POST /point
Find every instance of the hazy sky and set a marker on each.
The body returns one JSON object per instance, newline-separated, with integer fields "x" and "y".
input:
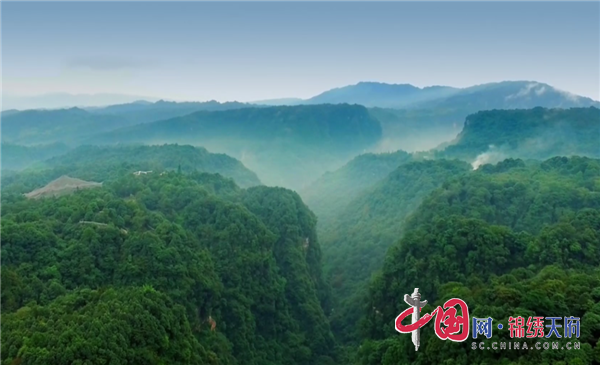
{"x": 251, "y": 51}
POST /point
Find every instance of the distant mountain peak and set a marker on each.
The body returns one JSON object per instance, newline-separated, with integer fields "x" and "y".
{"x": 534, "y": 88}
{"x": 379, "y": 94}
{"x": 66, "y": 100}
{"x": 378, "y": 83}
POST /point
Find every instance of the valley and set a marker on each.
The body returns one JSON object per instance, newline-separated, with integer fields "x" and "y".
{"x": 299, "y": 183}
{"x": 287, "y": 234}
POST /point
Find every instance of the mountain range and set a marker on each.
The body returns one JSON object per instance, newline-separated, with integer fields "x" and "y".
{"x": 102, "y": 164}
{"x": 518, "y": 237}
{"x": 286, "y": 146}
{"x": 493, "y": 135}
{"x": 215, "y": 268}
{"x": 497, "y": 95}
{"x": 73, "y": 125}
{"x": 494, "y": 95}
{"x": 66, "y": 100}
{"x": 487, "y": 137}
{"x": 411, "y": 118}
{"x": 291, "y": 145}
{"x": 241, "y": 268}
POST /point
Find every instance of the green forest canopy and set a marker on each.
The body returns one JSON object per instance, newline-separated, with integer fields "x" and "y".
{"x": 508, "y": 239}
{"x": 247, "y": 261}
{"x": 355, "y": 244}
{"x": 104, "y": 163}
{"x": 286, "y": 146}
{"x": 220, "y": 274}
{"x": 529, "y": 133}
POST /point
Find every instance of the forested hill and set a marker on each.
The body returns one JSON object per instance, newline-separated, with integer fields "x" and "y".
{"x": 104, "y": 163}
{"x": 74, "y": 125}
{"x": 420, "y": 126}
{"x": 138, "y": 113}
{"x": 288, "y": 146}
{"x": 491, "y": 136}
{"x": 355, "y": 244}
{"x": 32, "y": 127}
{"x": 511, "y": 239}
{"x": 340, "y": 125}
{"x": 418, "y": 119}
{"x": 332, "y": 192}
{"x": 163, "y": 269}
{"x": 17, "y": 157}
{"x": 373, "y": 220}
{"x": 486, "y": 137}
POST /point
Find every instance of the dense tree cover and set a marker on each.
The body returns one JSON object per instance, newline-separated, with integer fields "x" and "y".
{"x": 223, "y": 275}
{"x": 287, "y": 146}
{"x": 330, "y": 194}
{"x": 298, "y": 255}
{"x": 170, "y": 268}
{"x": 533, "y": 133}
{"x": 17, "y": 157}
{"x": 418, "y": 119}
{"x": 119, "y": 326}
{"x": 163, "y": 157}
{"x": 512, "y": 194}
{"x": 548, "y": 292}
{"x": 354, "y": 246}
{"x": 509, "y": 239}
{"x": 95, "y": 163}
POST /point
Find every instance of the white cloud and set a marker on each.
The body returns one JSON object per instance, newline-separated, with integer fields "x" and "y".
{"x": 540, "y": 91}
{"x": 524, "y": 91}
{"x": 492, "y": 155}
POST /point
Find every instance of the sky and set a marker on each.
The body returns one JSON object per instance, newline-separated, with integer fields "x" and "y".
{"x": 252, "y": 51}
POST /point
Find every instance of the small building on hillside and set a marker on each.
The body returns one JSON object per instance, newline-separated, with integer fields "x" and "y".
{"x": 138, "y": 173}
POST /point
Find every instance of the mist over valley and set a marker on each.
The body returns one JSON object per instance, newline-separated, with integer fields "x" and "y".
{"x": 266, "y": 183}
